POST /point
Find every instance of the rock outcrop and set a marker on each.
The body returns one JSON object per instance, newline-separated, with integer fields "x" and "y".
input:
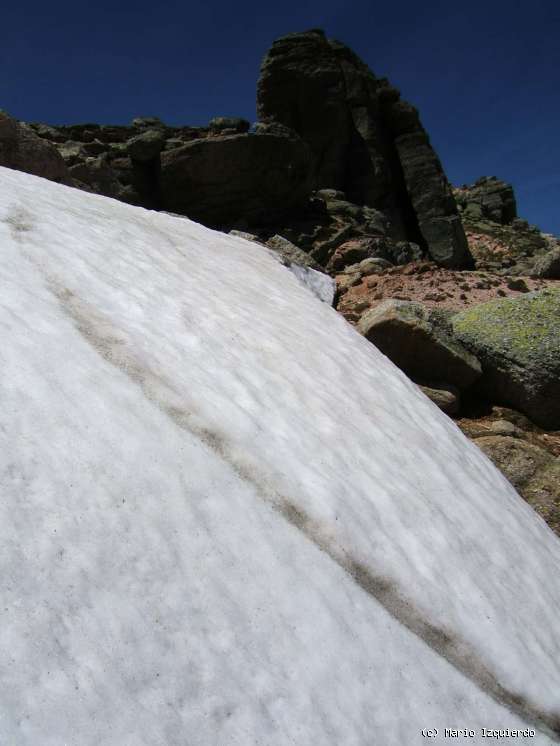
{"x": 336, "y": 156}
{"x": 488, "y": 198}
{"x": 547, "y": 265}
{"x": 517, "y": 341}
{"x": 498, "y": 239}
{"x": 243, "y": 179}
{"x": 366, "y": 141}
{"x": 23, "y": 150}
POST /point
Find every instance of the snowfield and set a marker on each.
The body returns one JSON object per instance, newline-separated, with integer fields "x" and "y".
{"x": 227, "y": 519}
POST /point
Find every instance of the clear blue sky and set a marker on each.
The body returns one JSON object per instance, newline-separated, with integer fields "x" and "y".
{"x": 485, "y": 75}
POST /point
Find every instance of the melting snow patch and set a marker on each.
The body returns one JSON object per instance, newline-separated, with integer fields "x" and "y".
{"x": 226, "y": 518}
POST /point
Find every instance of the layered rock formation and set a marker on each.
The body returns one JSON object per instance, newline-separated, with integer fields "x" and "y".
{"x": 367, "y": 142}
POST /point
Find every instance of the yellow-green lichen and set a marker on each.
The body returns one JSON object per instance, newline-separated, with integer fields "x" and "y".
{"x": 525, "y": 329}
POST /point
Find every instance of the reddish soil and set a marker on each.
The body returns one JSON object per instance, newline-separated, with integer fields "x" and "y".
{"x": 432, "y": 286}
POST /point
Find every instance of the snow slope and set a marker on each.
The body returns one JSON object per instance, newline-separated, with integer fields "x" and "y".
{"x": 226, "y": 518}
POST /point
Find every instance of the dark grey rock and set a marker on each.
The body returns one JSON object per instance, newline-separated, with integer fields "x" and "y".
{"x": 97, "y": 175}
{"x": 220, "y": 181}
{"x": 366, "y": 142}
{"x": 22, "y": 149}
{"x": 146, "y": 146}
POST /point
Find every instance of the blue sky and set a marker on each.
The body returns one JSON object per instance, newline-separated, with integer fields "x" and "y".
{"x": 485, "y": 75}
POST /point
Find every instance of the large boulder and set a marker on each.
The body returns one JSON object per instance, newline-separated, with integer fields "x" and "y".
{"x": 419, "y": 342}
{"x": 518, "y": 343}
{"x": 365, "y": 140}
{"x": 146, "y": 146}
{"x": 547, "y": 265}
{"x": 224, "y": 181}
{"x": 22, "y": 149}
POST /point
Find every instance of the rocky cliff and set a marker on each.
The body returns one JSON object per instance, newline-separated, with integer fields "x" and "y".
{"x": 366, "y": 141}
{"x": 336, "y": 155}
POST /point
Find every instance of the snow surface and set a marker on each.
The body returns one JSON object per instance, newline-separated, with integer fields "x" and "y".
{"x": 226, "y": 518}
{"x": 320, "y": 284}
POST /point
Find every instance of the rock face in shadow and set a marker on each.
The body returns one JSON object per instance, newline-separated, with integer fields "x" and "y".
{"x": 23, "y": 150}
{"x": 366, "y": 141}
{"x": 420, "y": 343}
{"x": 233, "y": 179}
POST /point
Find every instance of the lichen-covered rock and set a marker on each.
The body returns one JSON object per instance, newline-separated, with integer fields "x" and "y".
{"x": 534, "y": 472}
{"x": 547, "y": 265}
{"x": 518, "y": 343}
{"x": 290, "y": 253}
{"x": 419, "y": 342}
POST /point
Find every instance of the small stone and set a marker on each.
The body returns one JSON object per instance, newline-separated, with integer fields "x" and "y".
{"x": 445, "y": 397}
{"x": 372, "y": 266}
{"x": 517, "y": 283}
{"x": 503, "y": 427}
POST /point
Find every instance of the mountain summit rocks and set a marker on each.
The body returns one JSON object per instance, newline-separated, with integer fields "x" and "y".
{"x": 327, "y": 126}
{"x": 366, "y": 140}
